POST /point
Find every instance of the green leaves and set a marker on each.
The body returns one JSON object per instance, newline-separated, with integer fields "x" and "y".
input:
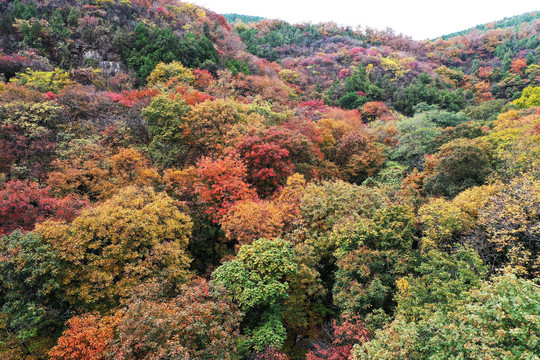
{"x": 256, "y": 281}
{"x": 497, "y": 320}
{"x": 371, "y": 255}
{"x": 152, "y": 45}
{"x": 165, "y": 119}
{"x": 270, "y": 334}
{"x": 256, "y": 276}
{"x": 31, "y": 307}
{"x": 440, "y": 281}
{"x": 458, "y": 165}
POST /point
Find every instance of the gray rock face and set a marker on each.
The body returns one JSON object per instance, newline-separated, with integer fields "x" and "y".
{"x": 91, "y": 54}
{"x": 109, "y": 68}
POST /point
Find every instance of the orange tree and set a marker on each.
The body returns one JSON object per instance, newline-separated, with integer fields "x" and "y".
{"x": 199, "y": 323}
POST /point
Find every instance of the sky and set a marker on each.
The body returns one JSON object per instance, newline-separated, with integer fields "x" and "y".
{"x": 420, "y": 19}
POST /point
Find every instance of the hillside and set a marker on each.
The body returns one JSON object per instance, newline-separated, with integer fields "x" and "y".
{"x": 179, "y": 184}
{"x": 515, "y": 22}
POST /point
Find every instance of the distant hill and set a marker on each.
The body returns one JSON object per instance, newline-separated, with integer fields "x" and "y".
{"x": 513, "y": 21}
{"x": 233, "y": 18}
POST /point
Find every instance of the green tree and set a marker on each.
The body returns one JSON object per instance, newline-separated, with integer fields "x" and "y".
{"x": 438, "y": 282}
{"x": 498, "y": 320}
{"x": 151, "y": 45}
{"x": 25, "y": 11}
{"x": 73, "y": 17}
{"x": 57, "y": 25}
{"x": 32, "y": 310}
{"x": 326, "y": 203}
{"x": 487, "y": 110}
{"x": 256, "y": 281}
{"x": 429, "y": 90}
{"x": 166, "y": 124}
{"x": 371, "y": 256}
{"x": 458, "y": 165}
{"x": 415, "y": 139}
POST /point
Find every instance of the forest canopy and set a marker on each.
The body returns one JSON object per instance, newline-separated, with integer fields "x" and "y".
{"x": 179, "y": 184}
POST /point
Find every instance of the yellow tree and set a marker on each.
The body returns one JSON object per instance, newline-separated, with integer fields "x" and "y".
{"x": 135, "y": 236}
{"x": 511, "y": 220}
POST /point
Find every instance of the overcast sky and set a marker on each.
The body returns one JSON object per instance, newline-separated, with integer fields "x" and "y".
{"x": 420, "y": 19}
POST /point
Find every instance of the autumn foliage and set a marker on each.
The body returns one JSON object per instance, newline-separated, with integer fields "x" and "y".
{"x": 181, "y": 184}
{"x": 143, "y": 236}
{"x": 23, "y": 204}
{"x": 196, "y": 324}
{"x": 87, "y": 337}
{"x": 222, "y": 184}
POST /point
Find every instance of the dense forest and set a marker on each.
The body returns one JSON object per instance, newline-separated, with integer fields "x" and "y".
{"x": 235, "y": 18}
{"x": 174, "y": 185}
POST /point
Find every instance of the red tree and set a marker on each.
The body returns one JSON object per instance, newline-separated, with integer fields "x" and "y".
{"x": 23, "y": 204}
{"x": 203, "y": 79}
{"x": 351, "y": 331}
{"x": 21, "y": 155}
{"x": 271, "y": 354}
{"x": 274, "y": 154}
{"x": 12, "y": 64}
{"x": 373, "y": 110}
{"x": 222, "y": 184}
{"x": 359, "y": 156}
